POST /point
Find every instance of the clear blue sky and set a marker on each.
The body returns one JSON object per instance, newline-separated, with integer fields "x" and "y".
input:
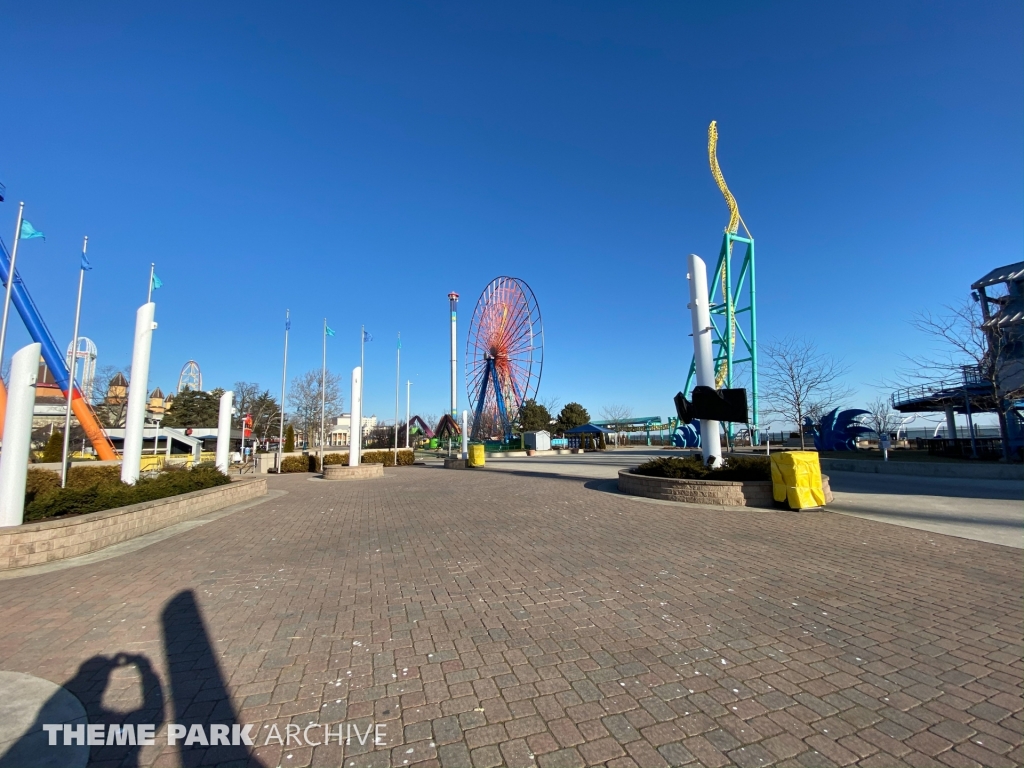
{"x": 360, "y": 161}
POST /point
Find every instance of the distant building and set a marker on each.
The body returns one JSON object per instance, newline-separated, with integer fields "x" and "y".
{"x": 339, "y": 432}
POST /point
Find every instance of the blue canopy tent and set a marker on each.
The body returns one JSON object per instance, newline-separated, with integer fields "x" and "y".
{"x": 577, "y": 436}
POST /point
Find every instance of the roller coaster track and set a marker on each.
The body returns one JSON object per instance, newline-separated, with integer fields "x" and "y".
{"x": 732, "y": 228}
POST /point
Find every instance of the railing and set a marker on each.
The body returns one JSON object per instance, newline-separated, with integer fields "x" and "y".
{"x": 970, "y": 375}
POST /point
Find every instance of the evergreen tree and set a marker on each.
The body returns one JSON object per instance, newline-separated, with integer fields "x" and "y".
{"x": 533, "y": 417}
{"x": 54, "y": 450}
{"x": 572, "y": 415}
{"x": 194, "y": 409}
{"x": 289, "y": 439}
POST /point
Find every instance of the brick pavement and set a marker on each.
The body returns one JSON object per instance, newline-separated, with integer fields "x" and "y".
{"x": 491, "y": 619}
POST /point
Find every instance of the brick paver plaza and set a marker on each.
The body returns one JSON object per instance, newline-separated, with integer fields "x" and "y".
{"x": 487, "y": 618}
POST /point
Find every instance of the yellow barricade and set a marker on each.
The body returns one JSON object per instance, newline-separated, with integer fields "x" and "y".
{"x": 476, "y": 455}
{"x": 796, "y": 479}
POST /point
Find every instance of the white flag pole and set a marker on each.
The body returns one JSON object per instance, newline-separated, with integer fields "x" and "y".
{"x": 284, "y": 379}
{"x": 72, "y": 365}
{"x": 10, "y": 280}
{"x": 398, "y": 366}
{"x": 323, "y": 393}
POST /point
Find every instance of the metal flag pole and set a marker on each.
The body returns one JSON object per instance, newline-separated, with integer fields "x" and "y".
{"x": 398, "y": 367}
{"x": 72, "y": 365}
{"x": 152, "y": 271}
{"x": 323, "y": 392}
{"x": 284, "y": 379}
{"x": 408, "y": 391}
{"x": 362, "y": 366}
{"x": 10, "y": 281}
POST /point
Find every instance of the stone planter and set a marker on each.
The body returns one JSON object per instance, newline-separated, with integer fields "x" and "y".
{"x": 747, "y": 493}
{"x": 530, "y": 452}
{"x": 345, "y": 472}
{"x": 49, "y": 540}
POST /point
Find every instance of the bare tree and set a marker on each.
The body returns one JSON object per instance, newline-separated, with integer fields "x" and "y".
{"x": 110, "y": 403}
{"x": 798, "y": 380}
{"x": 619, "y": 417}
{"x": 260, "y": 405}
{"x": 881, "y": 417}
{"x": 304, "y": 396}
{"x": 962, "y": 343}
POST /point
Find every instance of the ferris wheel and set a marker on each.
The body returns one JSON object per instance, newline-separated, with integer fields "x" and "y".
{"x": 504, "y": 356}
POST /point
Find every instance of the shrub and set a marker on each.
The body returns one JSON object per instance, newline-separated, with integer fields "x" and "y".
{"x": 387, "y": 458}
{"x": 86, "y": 477}
{"x": 307, "y": 463}
{"x": 39, "y": 482}
{"x": 335, "y": 458}
{"x": 54, "y": 450}
{"x": 106, "y": 494}
{"x": 736, "y": 468}
{"x": 289, "y": 439}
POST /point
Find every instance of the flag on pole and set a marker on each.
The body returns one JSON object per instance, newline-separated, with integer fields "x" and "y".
{"x": 399, "y": 341}
{"x": 85, "y": 262}
{"x": 328, "y": 330}
{"x": 157, "y": 282}
{"x": 367, "y": 336}
{"x": 287, "y": 323}
{"x": 29, "y": 232}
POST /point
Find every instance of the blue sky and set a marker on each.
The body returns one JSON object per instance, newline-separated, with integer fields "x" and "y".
{"x": 360, "y": 161}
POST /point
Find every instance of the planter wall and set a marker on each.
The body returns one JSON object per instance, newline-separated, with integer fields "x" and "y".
{"x": 345, "y": 472}
{"x": 749, "y": 493}
{"x": 49, "y": 540}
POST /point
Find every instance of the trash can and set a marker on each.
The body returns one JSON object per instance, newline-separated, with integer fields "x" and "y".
{"x": 433, "y": 443}
{"x": 796, "y": 479}
{"x": 476, "y": 455}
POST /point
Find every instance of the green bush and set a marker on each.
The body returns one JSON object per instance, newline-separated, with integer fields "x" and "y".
{"x": 39, "y": 482}
{"x": 85, "y": 477}
{"x": 736, "y": 468}
{"x": 307, "y": 463}
{"x": 335, "y": 458}
{"x": 54, "y": 450}
{"x": 107, "y": 494}
{"x": 289, "y": 439}
{"x": 387, "y": 458}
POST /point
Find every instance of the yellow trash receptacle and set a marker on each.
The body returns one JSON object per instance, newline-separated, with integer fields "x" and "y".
{"x": 796, "y": 479}
{"x": 476, "y": 455}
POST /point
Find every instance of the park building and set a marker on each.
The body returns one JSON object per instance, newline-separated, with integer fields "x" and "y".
{"x": 339, "y": 431}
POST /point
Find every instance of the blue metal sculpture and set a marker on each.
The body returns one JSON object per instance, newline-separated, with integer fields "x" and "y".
{"x": 839, "y": 430}
{"x": 687, "y": 435}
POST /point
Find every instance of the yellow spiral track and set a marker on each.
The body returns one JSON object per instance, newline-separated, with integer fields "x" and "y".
{"x": 732, "y": 228}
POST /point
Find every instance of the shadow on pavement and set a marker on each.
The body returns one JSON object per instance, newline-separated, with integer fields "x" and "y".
{"x": 198, "y": 689}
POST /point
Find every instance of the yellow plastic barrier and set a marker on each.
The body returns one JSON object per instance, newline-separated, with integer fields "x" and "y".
{"x": 796, "y": 479}
{"x": 476, "y": 455}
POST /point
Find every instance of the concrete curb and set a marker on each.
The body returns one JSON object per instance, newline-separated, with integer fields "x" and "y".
{"x": 927, "y": 469}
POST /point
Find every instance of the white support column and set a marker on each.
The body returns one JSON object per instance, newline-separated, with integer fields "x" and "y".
{"x": 465, "y": 434}
{"x": 950, "y": 423}
{"x": 700, "y": 317}
{"x": 21, "y": 399}
{"x": 135, "y": 420}
{"x": 355, "y": 424}
{"x": 224, "y": 431}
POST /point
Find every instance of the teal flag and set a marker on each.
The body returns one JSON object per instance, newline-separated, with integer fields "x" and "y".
{"x": 328, "y": 331}
{"x": 157, "y": 282}
{"x": 28, "y": 231}
{"x": 399, "y": 341}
